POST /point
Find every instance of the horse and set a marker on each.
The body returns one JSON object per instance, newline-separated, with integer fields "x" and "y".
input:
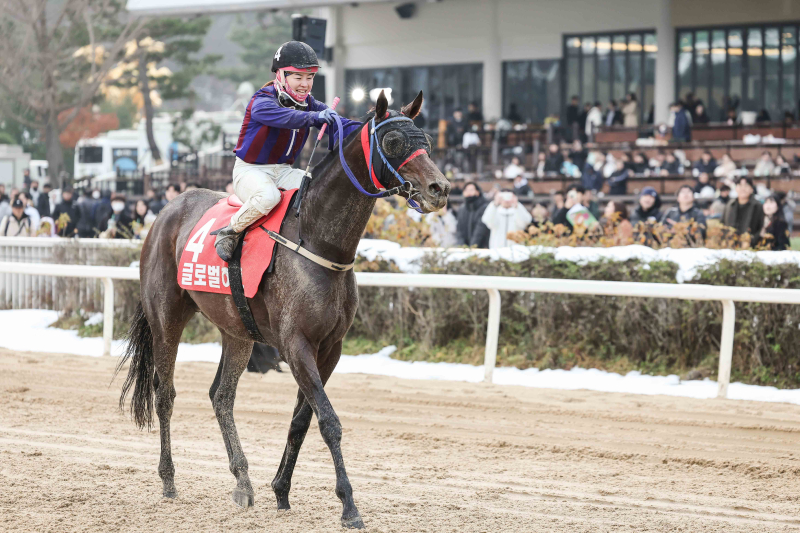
{"x": 301, "y": 308}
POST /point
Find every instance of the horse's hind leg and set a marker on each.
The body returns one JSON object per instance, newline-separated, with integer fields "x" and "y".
{"x": 235, "y": 354}
{"x": 303, "y": 363}
{"x": 301, "y": 420}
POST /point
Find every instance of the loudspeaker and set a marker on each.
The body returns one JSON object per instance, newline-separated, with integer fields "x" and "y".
{"x": 406, "y": 11}
{"x": 310, "y": 31}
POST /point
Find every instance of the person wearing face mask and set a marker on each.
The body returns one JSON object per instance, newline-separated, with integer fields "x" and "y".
{"x": 119, "y": 224}
{"x": 503, "y": 216}
{"x": 470, "y": 231}
{"x": 67, "y": 207}
{"x": 87, "y": 206}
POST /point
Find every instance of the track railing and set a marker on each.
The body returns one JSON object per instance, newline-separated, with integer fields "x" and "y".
{"x": 493, "y": 285}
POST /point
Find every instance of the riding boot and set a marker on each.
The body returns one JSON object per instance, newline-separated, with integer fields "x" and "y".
{"x": 226, "y": 242}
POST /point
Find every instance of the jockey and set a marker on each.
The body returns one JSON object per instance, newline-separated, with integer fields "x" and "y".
{"x": 276, "y": 125}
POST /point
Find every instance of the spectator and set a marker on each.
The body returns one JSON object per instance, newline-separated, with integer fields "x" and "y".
{"x": 594, "y": 119}
{"x": 521, "y": 187}
{"x": 458, "y": 186}
{"x": 583, "y": 119}
{"x": 718, "y": 205}
{"x": 540, "y": 215}
{"x": 706, "y": 164}
{"x": 638, "y": 164}
{"x": 744, "y": 213}
{"x": 690, "y": 104}
{"x": 649, "y": 208}
{"x": 573, "y": 113}
{"x": 686, "y": 210}
{"x": 513, "y": 169}
{"x": 172, "y": 192}
{"x": 119, "y": 225}
{"x": 781, "y": 166}
{"x": 43, "y": 203}
{"x": 703, "y": 181}
{"x": 504, "y": 215}
{"x": 470, "y": 230}
{"x": 672, "y": 165}
{"x": 763, "y": 116}
{"x": 613, "y": 116}
{"x": 570, "y": 169}
{"x": 618, "y": 180}
{"x": 558, "y": 202}
{"x": 726, "y": 169}
{"x": 3, "y": 195}
{"x": 655, "y": 164}
{"x": 17, "y": 224}
{"x": 5, "y": 203}
{"x": 700, "y": 116}
{"x": 630, "y": 110}
{"x": 554, "y": 159}
{"x": 681, "y": 122}
{"x": 443, "y": 226}
{"x": 541, "y": 164}
{"x": 456, "y": 128}
{"x": 474, "y": 113}
{"x": 578, "y": 153}
{"x": 34, "y": 192}
{"x": 143, "y": 218}
{"x": 573, "y": 198}
{"x": 154, "y": 201}
{"x": 592, "y": 175}
{"x": 615, "y": 217}
{"x": 30, "y": 210}
{"x": 775, "y": 234}
{"x": 66, "y": 207}
{"x": 26, "y": 178}
{"x": 731, "y": 118}
{"x": 513, "y": 113}
{"x": 591, "y": 204}
{"x": 86, "y": 206}
{"x": 609, "y": 166}
{"x": 765, "y": 165}
{"x": 788, "y": 209}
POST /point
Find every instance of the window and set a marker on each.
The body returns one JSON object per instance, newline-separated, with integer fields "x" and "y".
{"x": 531, "y": 90}
{"x": 446, "y": 88}
{"x": 748, "y": 68}
{"x": 603, "y": 67}
{"x": 90, "y": 154}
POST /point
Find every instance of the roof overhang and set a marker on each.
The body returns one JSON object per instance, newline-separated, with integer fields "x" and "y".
{"x": 189, "y": 7}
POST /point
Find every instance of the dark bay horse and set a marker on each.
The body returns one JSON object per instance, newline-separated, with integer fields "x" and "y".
{"x": 302, "y": 309}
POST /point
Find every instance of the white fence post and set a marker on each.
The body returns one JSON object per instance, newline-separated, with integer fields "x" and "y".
{"x": 726, "y": 347}
{"x": 108, "y": 314}
{"x": 492, "y": 335}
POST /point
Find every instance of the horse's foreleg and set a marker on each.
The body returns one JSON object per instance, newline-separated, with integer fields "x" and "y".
{"x": 301, "y": 419}
{"x": 235, "y": 354}
{"x": 303, "y": 363}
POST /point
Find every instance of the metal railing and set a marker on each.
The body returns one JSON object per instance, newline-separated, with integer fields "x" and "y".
{"x": 493, "y": 285}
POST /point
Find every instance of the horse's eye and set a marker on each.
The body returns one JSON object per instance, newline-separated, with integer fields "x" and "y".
{"x": 430, "y": 143}
{"x": 394, "y": 144}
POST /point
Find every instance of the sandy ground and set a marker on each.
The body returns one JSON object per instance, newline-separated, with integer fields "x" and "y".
{"x": 422, "y": 456}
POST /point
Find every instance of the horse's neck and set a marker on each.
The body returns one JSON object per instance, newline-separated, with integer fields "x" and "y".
{"x": 334, "y": 213}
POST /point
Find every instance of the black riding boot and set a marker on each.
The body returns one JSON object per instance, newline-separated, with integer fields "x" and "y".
{"x": 226, "y": 242}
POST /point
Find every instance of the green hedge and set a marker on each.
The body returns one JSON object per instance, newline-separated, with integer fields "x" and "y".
{"x": 614, "y": 333}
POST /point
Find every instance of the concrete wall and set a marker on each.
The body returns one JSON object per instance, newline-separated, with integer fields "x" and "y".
{"x": 718, "y": 12}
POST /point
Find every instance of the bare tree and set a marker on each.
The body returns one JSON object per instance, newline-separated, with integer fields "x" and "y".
{"x": 54, "y": 55}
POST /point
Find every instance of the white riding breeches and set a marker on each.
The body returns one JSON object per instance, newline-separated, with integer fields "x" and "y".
{"x": 257, "y": 187}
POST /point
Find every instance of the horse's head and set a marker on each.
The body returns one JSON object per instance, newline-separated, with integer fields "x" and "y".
{"x": 408, "y": 149}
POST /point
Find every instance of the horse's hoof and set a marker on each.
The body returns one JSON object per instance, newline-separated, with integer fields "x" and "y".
{"x": 283, "y": 505}
{"x": 242, "y": 498}
{"x": 171, "y": 493}
{"x": 353, "y": 523}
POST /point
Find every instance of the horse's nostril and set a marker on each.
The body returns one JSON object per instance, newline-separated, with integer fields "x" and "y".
{"x": 435, "y": 189}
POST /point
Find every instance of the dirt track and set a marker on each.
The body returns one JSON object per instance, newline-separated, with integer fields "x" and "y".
{"x": 422, "y": 456}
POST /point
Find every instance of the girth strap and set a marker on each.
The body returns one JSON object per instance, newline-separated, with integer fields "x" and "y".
{"x": 338, "y": 267}
{"x": 237, "y": 291}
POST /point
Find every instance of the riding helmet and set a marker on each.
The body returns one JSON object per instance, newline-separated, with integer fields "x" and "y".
{"x": 295, "y": 56}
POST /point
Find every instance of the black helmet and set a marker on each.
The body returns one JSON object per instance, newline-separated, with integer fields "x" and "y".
{"x": 295, "y": 55}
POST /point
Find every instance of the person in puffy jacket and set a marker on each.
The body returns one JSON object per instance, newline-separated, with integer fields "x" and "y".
{"x": 504, "y": 216}
{"x": 470, "y": 231}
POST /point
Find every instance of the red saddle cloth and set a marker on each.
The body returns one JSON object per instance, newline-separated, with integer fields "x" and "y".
{"x": 201, "y": 269}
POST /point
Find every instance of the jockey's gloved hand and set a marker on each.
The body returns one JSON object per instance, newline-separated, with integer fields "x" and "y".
{"x": 326, "y": 117}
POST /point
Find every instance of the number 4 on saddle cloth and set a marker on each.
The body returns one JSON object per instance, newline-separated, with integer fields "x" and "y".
{"x": 201, "y": 269}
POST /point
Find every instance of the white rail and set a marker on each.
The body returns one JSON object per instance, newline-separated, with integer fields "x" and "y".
{"x": 491, "y": 284}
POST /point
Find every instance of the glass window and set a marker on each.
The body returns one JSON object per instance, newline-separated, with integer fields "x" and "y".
{"x": 702, "y": 67}
{"x": 588, "y": 73}
{"x": 90, "y": 154}
{"x": 531, "y": 89}
{"x": 618, "y": 50}
{"x": 573, "y": 70}
{"x": 754, "y": 84}
{"x": 772, "y": 56}
{"x": 604, "y": 69}
{"x": 685, "y": 47}
{"x": 650, "y": 52}
{"x": 789, "y": 60}
{"x": 735, "y": 69}
{"x": 715, "y": 101}
{"x": 635, "y": 65}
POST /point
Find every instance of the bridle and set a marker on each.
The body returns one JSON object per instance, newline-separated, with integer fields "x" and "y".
{"x": 372, "y": 146}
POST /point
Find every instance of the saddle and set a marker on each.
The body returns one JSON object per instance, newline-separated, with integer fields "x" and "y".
{"x": 201, "y": 269}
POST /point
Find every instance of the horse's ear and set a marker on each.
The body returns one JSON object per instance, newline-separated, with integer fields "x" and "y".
{"x": 412, "y": 110}
{"x": 381, "y": 107}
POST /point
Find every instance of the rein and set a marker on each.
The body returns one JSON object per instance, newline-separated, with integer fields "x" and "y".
{"x": 372, "y": 132}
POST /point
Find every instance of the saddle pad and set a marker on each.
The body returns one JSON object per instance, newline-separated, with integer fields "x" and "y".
{"x": 201, "y": 269}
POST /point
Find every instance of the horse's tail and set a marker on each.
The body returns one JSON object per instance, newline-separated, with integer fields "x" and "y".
{"x": 139, "y": 351}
